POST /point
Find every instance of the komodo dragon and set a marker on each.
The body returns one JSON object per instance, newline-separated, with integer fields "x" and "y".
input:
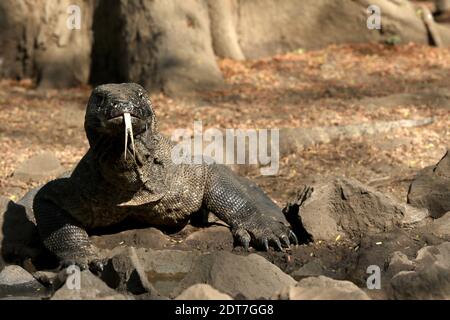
{"x": 135, "y": 177}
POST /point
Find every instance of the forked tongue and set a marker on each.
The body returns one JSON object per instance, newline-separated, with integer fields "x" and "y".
{"x": 128, "y": 132}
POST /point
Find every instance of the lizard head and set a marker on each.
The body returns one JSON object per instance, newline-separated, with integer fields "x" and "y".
{"x": 118, "y": 111}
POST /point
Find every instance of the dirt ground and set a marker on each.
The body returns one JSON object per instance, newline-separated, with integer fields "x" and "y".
{"x": 339, "y": 85}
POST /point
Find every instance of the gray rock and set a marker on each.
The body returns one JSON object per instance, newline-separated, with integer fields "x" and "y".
{"x": 312, "y": 268}
{"x": 51, "y": 279}
{"x": 38, "y": 168}
{"x": 19, "y": 238}
{"x": 322, "y": 288}
{"x": 15, "y": 281}
{"x": 202, "y": 292}
{"x": 345, "y": 207}
{"x": 91, "y": 288}
{"x": 431, "y": 188}
{"x": 250, "y": 276}
{"x": 211, "y": 238}
{"x": 165, "y": 269}
{"x": 441, "y": 227}
{"x": 377, "y": 249}
{"x": 399, "y": 262}
{"x": 166, "y": 261}
{"x": 138, "y": 238}
{"x": 430, "y": 278}
{"x": 124, "y": 273}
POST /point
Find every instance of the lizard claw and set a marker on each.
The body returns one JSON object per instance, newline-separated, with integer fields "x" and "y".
{"x": 278, "y": 243}
{"x": 245, "y": 244}
{"x": 83, "y": 265}
{"x": 286, "y": 241}
{"x": 96, "y": 266}
{"x": 84, "y": 261}
{"x": 293, "y": 237}
{"x": 242, "y": 237}
{"x": 263, "y": 233}
{"x": 266, "y": 244}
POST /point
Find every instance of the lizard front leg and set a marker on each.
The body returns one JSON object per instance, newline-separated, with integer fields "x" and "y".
{"x": 250, "y": 223}
{"x": 62, "y": 235}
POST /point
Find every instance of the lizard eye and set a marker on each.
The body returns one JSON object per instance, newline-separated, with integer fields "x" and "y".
{"x": 97, "y": 100}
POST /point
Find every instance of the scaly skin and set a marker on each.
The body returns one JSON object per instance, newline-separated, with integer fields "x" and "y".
{"x": 105, "y": 188}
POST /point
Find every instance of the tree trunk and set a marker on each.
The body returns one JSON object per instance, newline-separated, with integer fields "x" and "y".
{"x": 37, "y": 43}
{"x": 161, "y": 44}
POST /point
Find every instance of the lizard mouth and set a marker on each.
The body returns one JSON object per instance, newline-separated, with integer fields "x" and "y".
{"x": 130, "y": 123}
{"x": 120, "y": 119}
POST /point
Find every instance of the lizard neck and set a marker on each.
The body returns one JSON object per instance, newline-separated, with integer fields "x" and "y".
{"x": 124, "y": 173}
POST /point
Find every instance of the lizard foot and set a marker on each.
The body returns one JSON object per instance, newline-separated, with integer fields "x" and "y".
{"x": 84, "y": 262}
{"x": 263, "y": 233}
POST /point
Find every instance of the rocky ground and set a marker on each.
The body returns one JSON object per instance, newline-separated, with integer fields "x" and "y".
{"x": 347, "y": 224}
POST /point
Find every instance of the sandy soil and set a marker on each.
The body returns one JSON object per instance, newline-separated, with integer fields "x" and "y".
{"x": 338, "y": 85}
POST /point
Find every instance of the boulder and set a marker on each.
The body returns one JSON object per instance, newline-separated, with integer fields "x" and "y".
{"x": 145, "y": 49}
{"x": 38, "y": 168}
{"x": 91, "y": 288}
{"x": 211, "y": 238}
{"x": 310, "y": 269}
{"x": 50, "y": 279}
{"x": 378, "y": 250}
{"x": 202, "y": 292}
{"x": 166, "y": 261}
{"x": 399, "y": 262}
{"x": 16, "y": 281}
{"x": 124, "y": 273}
{"x": 139, "y": 238}
{"x": 165, "y": 269}
{"x": 19, "y": 238}
{"x": 431, "y": 188}
{"x": 251, "y": 276}
{"x": 441, "y": 227}
{"x": 430, "y": 278}
{"x": 322, "y": 288}
{"x": 344, "y": 207}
